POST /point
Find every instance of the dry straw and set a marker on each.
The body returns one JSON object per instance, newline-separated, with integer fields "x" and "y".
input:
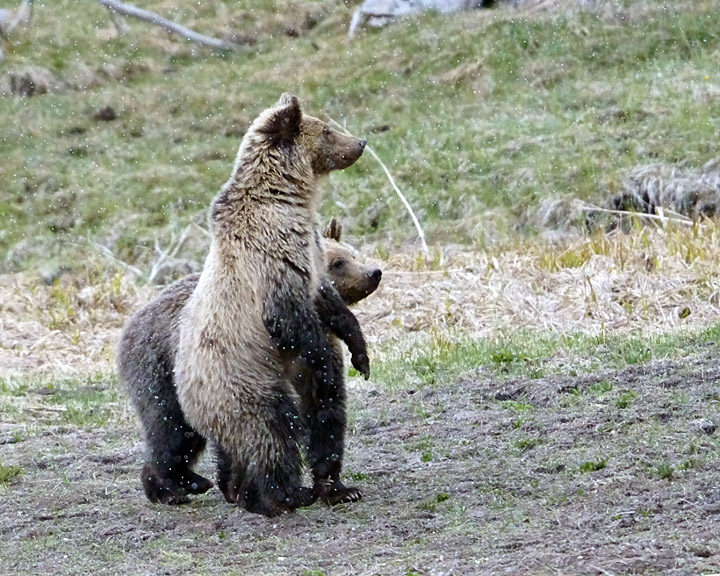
{"x": 652, "y": 280}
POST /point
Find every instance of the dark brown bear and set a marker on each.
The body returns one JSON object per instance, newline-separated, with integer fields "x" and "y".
{"x": 146, "y": 360}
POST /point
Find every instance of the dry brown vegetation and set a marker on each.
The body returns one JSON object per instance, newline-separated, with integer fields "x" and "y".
{"x": 654, "y": 279}
{"x": 534, "y": 464}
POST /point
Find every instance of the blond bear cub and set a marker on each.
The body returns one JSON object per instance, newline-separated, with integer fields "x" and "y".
{"x": 254, "y": 320}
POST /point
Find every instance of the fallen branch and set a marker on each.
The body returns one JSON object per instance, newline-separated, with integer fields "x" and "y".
{"x": 420, "y": 232}
{"x": 165, "y": 255}
{"x": 167, "y": 25}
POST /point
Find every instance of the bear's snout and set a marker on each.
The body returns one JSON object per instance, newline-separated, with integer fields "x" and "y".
{"x": 362, "y": 144}
{"x": 374, "y": 276}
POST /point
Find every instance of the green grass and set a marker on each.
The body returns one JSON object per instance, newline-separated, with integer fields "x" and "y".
{"x": 407, "y": 365}
{"x": 78, "y": 403}
{"x": 593, "y": 466}
{"x": 9, "y": 473}
{"x": 488, "y": 114}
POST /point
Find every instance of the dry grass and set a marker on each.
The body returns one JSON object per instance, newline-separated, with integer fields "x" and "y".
{"x": 652, "y": 280}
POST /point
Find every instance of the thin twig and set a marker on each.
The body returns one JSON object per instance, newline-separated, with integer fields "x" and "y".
{"x": 205, "y": 231}
{"x": 167, "y": 25}
{"x": 587, "y": 207}
{"x": 420, "y": 232}
{"x": 105, "y": 251}
{"x": 165, "y": 255}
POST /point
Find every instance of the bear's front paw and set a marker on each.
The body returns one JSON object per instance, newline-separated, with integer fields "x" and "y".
{"x": 361, "y": 363}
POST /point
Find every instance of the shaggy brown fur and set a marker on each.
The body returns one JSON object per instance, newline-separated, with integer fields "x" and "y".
{"x": 252, "y": 322}
{"x": 146, "y": 359}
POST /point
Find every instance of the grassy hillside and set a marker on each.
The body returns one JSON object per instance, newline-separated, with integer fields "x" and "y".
{"x": 479, "y": 116}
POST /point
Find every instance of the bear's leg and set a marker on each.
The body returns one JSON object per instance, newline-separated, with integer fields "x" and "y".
{"x": 230, "y": 483}
{"x": 167, "y": 476}
{"x": 276, "y": 486}
{"x": 324, "y": 407}
{"x": 339, "y": 319}
{"x": 264, "y": 475}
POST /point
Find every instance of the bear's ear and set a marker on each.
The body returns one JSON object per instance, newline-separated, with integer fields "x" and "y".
{"x": 283, "y": 123}
{"x": 333, "y": 230}
{"x": 286, "y": 100}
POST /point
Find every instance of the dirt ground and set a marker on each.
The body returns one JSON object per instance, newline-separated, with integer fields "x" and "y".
{"x": 609, "y": 473}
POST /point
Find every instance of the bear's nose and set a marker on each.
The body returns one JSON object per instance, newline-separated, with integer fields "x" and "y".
{"x": 362, "y": 143}
{"x": 375, "y": 274}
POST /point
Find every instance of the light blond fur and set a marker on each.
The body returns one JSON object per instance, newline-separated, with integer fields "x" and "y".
{"x": 264, "y": 227}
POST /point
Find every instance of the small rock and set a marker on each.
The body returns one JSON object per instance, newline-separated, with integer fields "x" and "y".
{"x": 708, "y": 427}
{"x": 106, "y": 114}
{"x": 704, "y": 425}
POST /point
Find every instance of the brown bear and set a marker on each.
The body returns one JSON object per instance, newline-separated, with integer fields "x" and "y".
{"x": 261, "y": 313}
{"x": 146, "y": 359}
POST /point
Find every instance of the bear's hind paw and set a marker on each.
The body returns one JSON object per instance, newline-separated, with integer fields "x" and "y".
{"x": 334, "y": 492}
{"x": 345, "y": 495}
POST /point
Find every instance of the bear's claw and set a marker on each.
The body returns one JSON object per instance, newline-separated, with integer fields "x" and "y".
{"x": 361, "y": 363}
{"x": 334, "y": 492}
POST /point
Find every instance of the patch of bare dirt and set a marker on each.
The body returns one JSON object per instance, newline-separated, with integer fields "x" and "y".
{"x": 484, "y": 475}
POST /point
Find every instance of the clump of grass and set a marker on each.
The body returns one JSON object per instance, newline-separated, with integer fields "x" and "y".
{"x": 689, "y": 464}
{"x": 625, "y": 399}
{"x": 9, "y": 473}
{"x": 576, "y": 255}
{"x": 601, "y": 388}
{"x": 425, "y": 446}
{"x": 505, "y": 356}
{"x": 431, "y": 505}
{"x": 527, "y": 443}
{"x": 357, "y": 476}
{"x": 665, "y": 470}
{"x": 516, "y": 406}
{"x": 593, "y": 465}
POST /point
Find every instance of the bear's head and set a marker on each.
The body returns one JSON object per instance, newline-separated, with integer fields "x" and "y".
{"x": 305, "y": 138}
{"x": 352, "y": 280}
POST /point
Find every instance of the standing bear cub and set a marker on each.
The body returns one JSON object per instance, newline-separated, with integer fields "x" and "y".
{"x": 146, "y": 361}
{"x": 261, "y": 313}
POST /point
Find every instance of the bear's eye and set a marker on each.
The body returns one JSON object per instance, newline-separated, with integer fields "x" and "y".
{"x": 338, "y": 264}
